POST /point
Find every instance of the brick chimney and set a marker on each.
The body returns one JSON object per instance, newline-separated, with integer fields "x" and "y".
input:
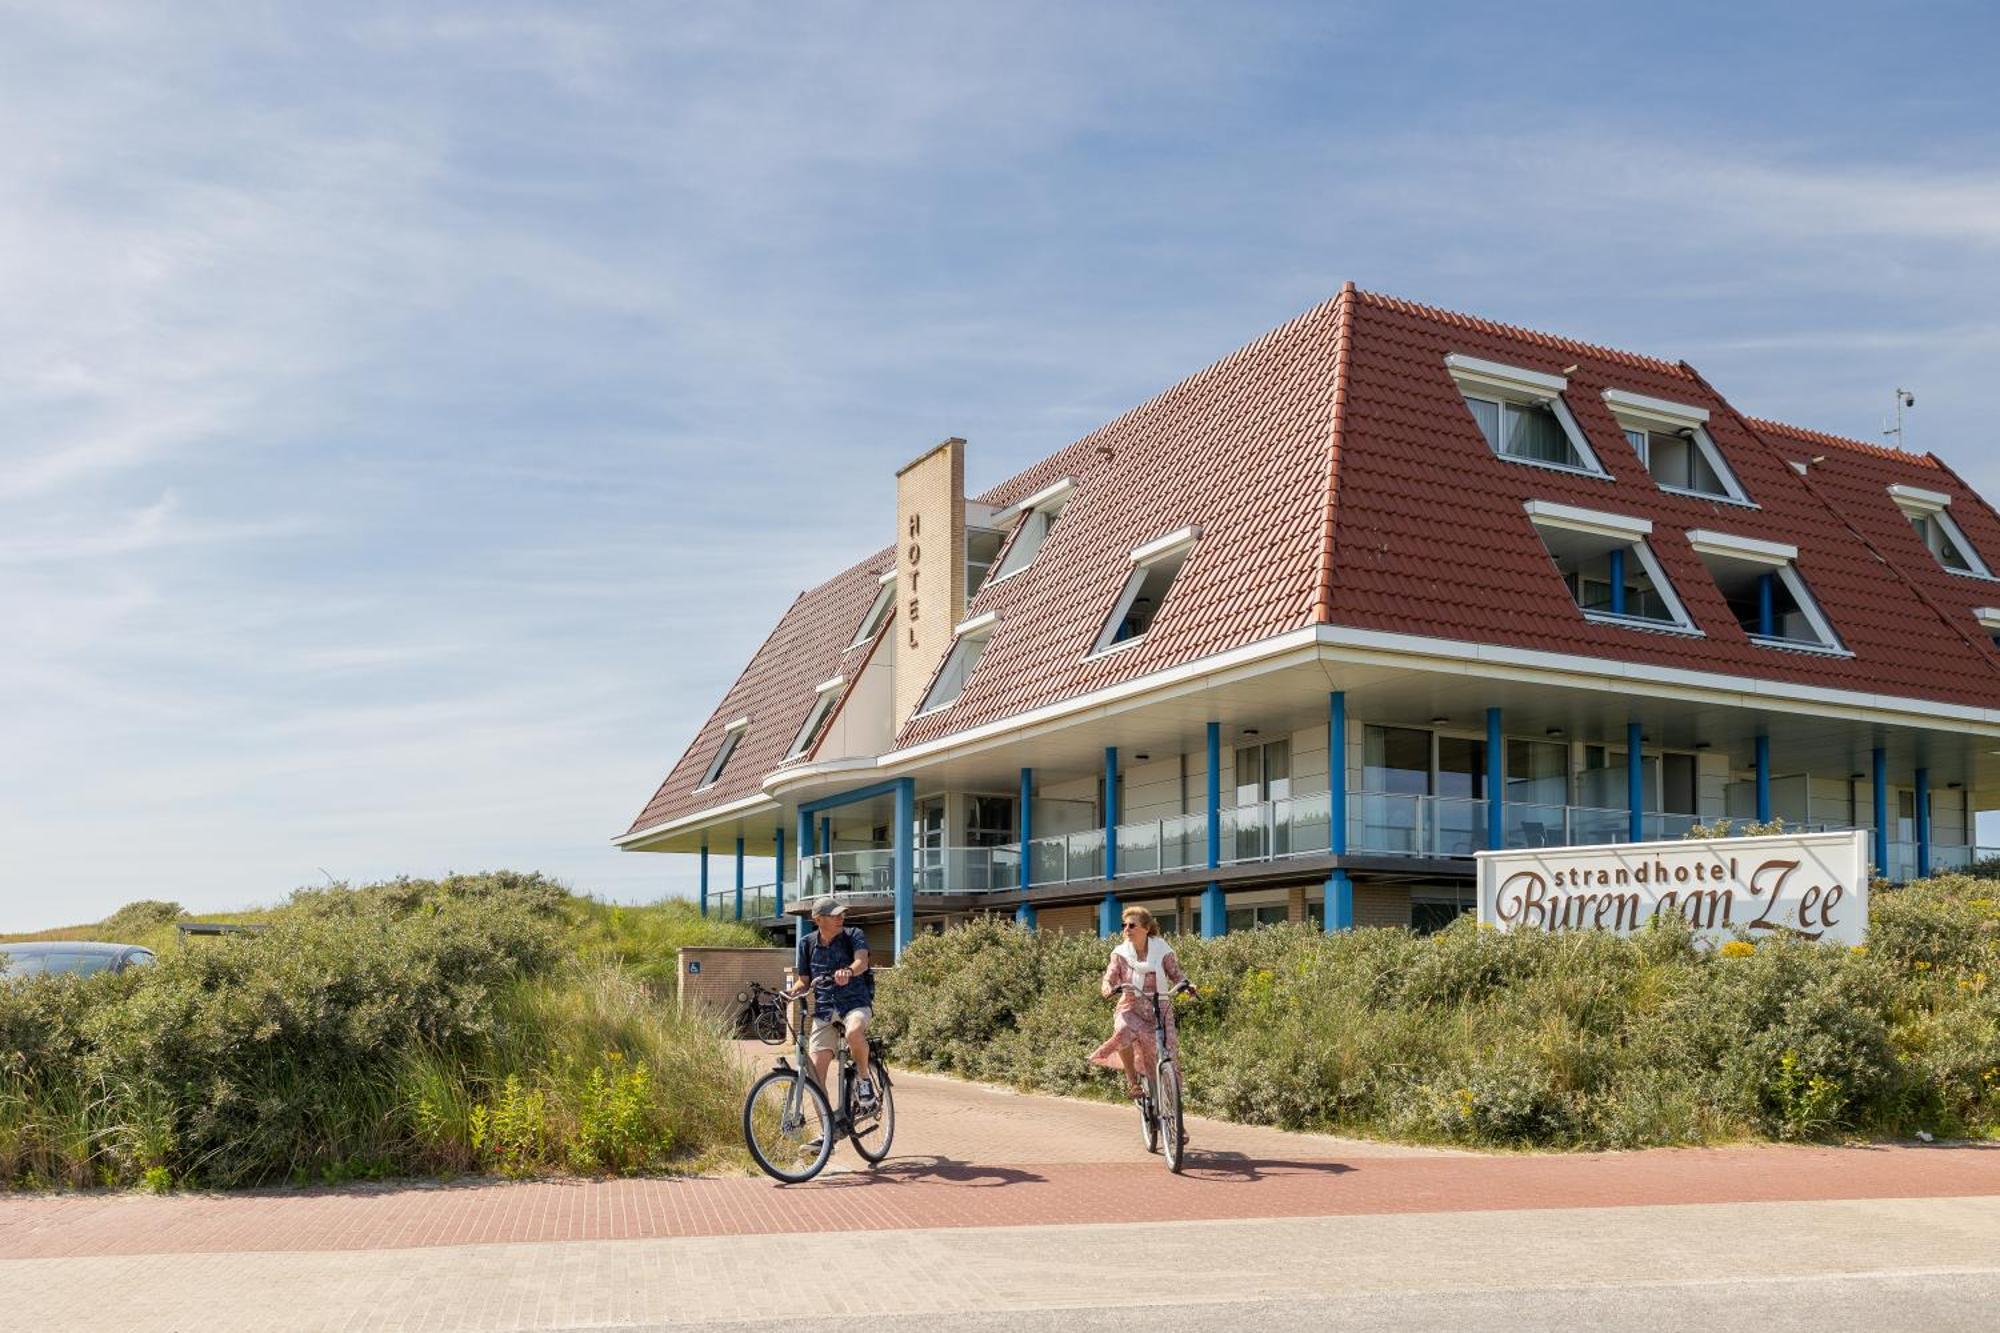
{"x": 930, "y": 567}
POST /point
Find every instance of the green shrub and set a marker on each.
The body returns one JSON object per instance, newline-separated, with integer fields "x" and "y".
{"x": 409, "y": 1027}
{"x": 1517, "y": 1039}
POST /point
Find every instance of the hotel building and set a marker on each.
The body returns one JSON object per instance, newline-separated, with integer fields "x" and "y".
{"x": 1528, "y": 591}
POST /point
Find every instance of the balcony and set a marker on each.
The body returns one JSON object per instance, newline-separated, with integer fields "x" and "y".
{"x": 1378, "y": 824}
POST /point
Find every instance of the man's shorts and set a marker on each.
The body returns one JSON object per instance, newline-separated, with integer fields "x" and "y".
{"x": 826, "y": 1032}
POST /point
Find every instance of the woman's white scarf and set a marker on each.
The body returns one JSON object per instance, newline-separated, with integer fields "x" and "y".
{"x": 1158, "y": 951}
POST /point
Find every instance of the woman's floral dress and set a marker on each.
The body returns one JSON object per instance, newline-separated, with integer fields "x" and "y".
{"x": 1132, "y": 1023}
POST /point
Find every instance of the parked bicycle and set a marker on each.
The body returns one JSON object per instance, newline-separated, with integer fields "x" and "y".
{"x": 1162, "y": 1126}
{"x": 788, "y": 1123}
{"x": 763, "y": 1013}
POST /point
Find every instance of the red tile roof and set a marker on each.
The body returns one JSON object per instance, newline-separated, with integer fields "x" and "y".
{"x": 1337, "y": 478}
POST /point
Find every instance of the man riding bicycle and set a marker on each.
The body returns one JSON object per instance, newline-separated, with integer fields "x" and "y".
{"x": 833, "y": 960}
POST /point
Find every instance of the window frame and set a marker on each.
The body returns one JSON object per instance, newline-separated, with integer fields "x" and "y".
{"x": 1934, "y": 506}
{"x": 1492, "y": 382}
{"x": 1638, "y": 412}
{"x": 1618, "y": 528}
{"x": 1781, "y": 560}
{"x": 725, "y": 750}
{"x": 1176, "y": 546}
{"x": 972, "y": 637}
{"x": 826, "y": 700}
{"x": 877, "y": 614}
{"x": 1044, "y": 506}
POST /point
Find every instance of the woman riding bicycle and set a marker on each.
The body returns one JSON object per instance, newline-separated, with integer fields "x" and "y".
{"x": 1143, "y": 963}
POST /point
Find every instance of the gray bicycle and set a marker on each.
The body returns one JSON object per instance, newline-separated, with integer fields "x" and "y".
{"x": 788, "y": 1124}
{"x": 1162, "y": 1126}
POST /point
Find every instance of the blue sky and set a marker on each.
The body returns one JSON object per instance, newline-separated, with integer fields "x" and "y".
{"x": 411, "y": 418}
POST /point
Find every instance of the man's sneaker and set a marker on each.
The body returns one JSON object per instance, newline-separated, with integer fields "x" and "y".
{"x": 864, "y": 1093}
{"x": 811, "y": 1145}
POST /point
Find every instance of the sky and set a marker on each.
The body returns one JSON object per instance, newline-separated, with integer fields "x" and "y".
{"x": 412, "y": 417}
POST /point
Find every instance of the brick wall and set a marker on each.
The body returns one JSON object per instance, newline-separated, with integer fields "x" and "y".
{"x": 930, "y": 568}
{"x": 1376, "y": 906}
{"x": 724, "y": 972}
{"x": 1080, "y": 920}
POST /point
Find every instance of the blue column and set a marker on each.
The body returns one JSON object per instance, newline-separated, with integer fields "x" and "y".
{"x": 1214, "y": 913}
{"x": 1496, "y": 780}
{"x": 1107, "y": 911}
{"x": 1763, "y": 779}
{"x": 778, "y": 874}
{"x": 1767, "y": 615}
{"x": 1618, "y": 582}
{"x": 1881, "y": 812}
{"x": 1337, "y": 911}
{"x": 1923, "y": 796}
{"x": 906, "y": 863}
{"x": 739, "y": 879}
{"x": 826, "y": 842}
{"x": 1635, "y": 783}
{"x": 1025, "y": 913}
{"x": 704, "y": 879}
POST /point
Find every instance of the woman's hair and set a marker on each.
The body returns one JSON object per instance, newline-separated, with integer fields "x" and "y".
{"x": 1144, "y": 918}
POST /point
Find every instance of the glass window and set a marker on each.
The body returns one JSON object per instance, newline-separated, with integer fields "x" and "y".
{"x": 1766, "y": 602}
{"x": 1461, "y": 767}
{"x": 1396, "y": 759}
{"x": 958, "y": 666}
{"x": 815, "y": 723}
{"x": 1140, "y": 602}
{"x": 981, "y": 545}
{"x": 878, "y": 611}
{"x": 1029, "y": 535}
{"x": 1679, "y": 785}
{"x": 1248, "y": 918}
{"x": 1679, "y": 460}
{"x": 1530, "y": 431}
{"x": 1537, "y": 773}
{"x": 1429, "y": 917}
{"x": 1609, "y": 577}
{"x": 721, "y": 760}
{"x": 1263, "y": 772}
{"x": 989, "y": 821}
{"x": 1938, "y": 540}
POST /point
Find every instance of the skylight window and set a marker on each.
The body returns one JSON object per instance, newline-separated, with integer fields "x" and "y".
{"x": 1521, "y": 414}
{"x": 731, "y": 734}
{"x": 959, "y": 664}
{"x": 816, "y": 719}
{"x": 1765, "y": 591}
{"x": 1037, "y": 514}
{"x": 981, "y": 546}
{"x": 878, "y": 611}
{"x": 1672, "y": 440}
{"x": 1154, "y": 568}
{"x": 1610, "y": 571}
{"x": 1935, "y": 529}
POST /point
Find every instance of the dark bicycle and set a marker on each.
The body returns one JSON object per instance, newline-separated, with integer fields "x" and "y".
{"x": 788, "y": 1124}
{"x": 763, "y": 1013}
{"x": 1162, "y": 1126}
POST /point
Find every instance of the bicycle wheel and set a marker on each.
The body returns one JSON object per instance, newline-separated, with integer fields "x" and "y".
{"x": 1173, "y": 1129}
{"x": 872, "y": 1131}
{"x": 788, "y": 1126}
{"x": 770, "y": 1024}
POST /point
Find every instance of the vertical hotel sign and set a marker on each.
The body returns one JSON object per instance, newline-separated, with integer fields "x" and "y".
{"x": 930, "y": 567}
{"x": 1812, "y": 886}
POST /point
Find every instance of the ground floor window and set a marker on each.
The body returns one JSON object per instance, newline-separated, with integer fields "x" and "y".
{"x": 1247, "y": 918}
{"x": 1429, "y": 916}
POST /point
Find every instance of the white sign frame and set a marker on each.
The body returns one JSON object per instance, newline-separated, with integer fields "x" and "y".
{"x": 1810, "y": 885}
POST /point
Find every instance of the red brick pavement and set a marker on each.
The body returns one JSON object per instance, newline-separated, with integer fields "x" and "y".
{"x": 941, "y": 1192}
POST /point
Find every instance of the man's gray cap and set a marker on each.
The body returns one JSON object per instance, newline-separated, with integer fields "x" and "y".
{"x": 829, "y": 906}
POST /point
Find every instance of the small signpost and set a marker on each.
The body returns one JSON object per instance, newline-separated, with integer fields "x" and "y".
{"x": 694, "y": 967}
{"x": 1810, "y": 885}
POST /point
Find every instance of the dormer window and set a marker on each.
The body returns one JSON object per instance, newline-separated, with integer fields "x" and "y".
{"x": 731, "y": 735}
{"x": 1989, "y": 623}
{"x": 878, "y": 611}
{"x": 827, "y": 696}
{"x": 1036, "y": 515}
{"x": 968, "y": 646}
{"x": 1672, "y": 440}
{"x": 1608, "y": 567}
{"x": 1522, "y": 415}
{"x": 1154, "y": 568}
{"x": 1934, "y": 528}
{"x": 1765, "y": 592}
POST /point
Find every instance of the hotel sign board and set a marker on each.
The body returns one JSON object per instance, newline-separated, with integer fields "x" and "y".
{"x": 1811, "y": 885}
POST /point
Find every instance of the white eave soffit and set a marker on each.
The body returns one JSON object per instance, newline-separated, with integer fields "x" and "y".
{"x": 1753, "y": 549}
{"x": 1647, "y": 411}
{"x": 1988, "y": 617}
{"x": 1619, "y": 527}
{"x": 1162, "y": 547}
{"x": 838, "y": 682}
{"x": 738, "y": 725}
{"x": 1054, "y": 493}
{"x": 1471, "y": 371}
{"x": 886, "y": 577}
{"x": 1916, "y": 498}
{"x": 979, "y": 624}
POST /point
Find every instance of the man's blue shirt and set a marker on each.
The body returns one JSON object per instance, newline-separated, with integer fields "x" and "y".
{"x": 822, "y": 958}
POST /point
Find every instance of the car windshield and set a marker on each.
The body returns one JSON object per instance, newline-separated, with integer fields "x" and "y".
{"x": 77, "y": 964}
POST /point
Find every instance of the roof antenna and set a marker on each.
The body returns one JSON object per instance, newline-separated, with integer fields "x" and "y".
{"x": 1904, "y": 398}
